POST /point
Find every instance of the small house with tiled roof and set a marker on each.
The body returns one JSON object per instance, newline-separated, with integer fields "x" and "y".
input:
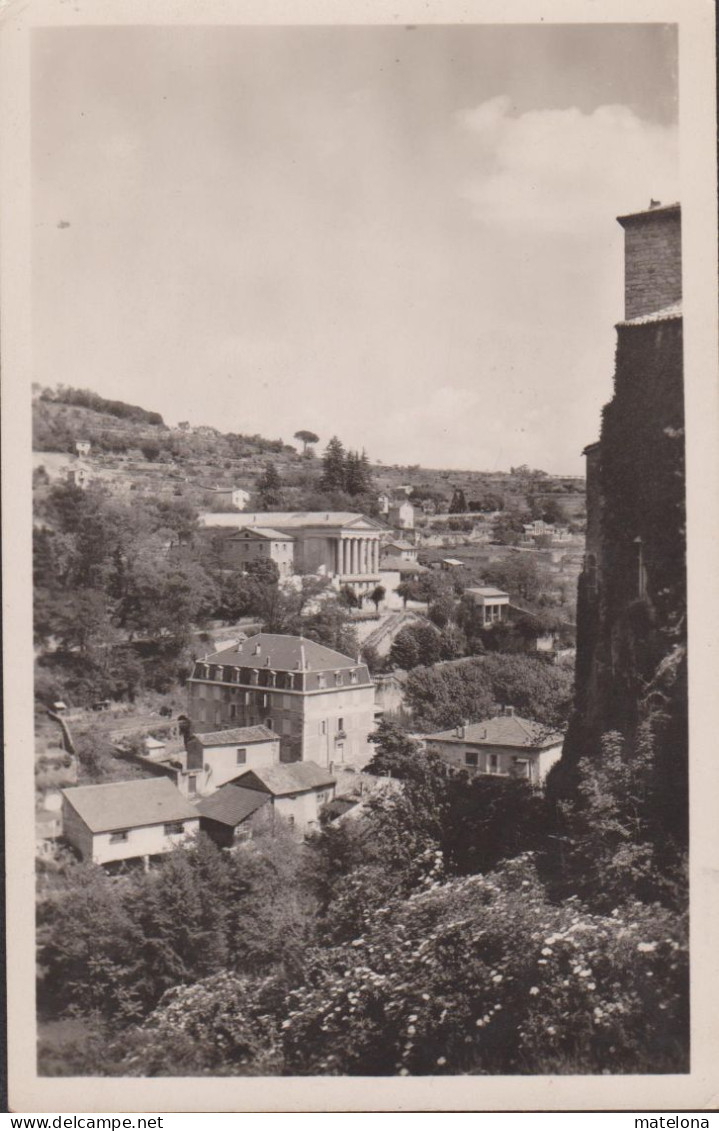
{"x": 505, "y": 746}
{"x": 260, "y": 544}
{"x": 296, "y": 791}
{"x": 318, "y": 701}
{"x": 126, "y": 820}
{"x": 216, "y": 757}
{"x": 232, "y": 814}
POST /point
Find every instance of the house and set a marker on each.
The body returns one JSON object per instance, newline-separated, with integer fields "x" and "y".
{"x": 506, "y": 746}
{"x": 319, "y": 702}
{"x": 82, "y": 447}
{"x": 341, "y": 545}
{"x": 384, "y": 501}
{"x": 397, "y": 548}
{"x": 259, "y": 543}
{"x": 213, "y": 758}
{"x": 127, "y": 819}
{"x": 79, "y": 474}
{"x": 401, "y": 515}
{"x": 493, "y": 604}
{"x": 451, "y": 563}
{"x": 232, "y": 813}
{"x": 236, "y": 497}
{"x": 296, "y": 792}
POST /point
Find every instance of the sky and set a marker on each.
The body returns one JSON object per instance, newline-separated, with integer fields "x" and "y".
{"x": 402, "y": 236}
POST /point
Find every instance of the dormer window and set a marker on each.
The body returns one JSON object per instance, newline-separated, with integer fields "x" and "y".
{"x": 354, "y": 676}
{"x": 254, "y": 677}
{"x": 322, "y": 680}
{"x": 338, "y": 679}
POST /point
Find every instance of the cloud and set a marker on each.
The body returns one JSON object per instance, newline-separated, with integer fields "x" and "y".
{"x": 564, "y": 171}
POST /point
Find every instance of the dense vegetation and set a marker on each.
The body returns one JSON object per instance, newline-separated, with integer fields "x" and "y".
{"x": 115, "y": 606}
{"x": 435, "y": 933}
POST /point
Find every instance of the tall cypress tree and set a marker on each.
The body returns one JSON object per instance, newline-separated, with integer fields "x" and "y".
{"x": 334, "y": 466}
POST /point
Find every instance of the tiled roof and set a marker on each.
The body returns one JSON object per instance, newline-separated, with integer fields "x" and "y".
{"x": 285, "y": 653}
{"x": 503, "y": 730}
{"x": 129, "y": 804}
{"x": 288, "y": 777}
{"x": 232, "y": 804}
{"x": 236, "y": 737}
{"x": 395, "y": 564}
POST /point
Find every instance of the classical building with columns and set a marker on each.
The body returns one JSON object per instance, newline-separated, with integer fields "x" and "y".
{"x": 336, "y": 544}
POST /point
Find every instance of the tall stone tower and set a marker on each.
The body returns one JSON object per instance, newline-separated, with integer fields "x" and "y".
{"x": 631, "y": 618}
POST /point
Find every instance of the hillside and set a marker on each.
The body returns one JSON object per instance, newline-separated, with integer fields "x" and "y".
{"x": 133, "y": 450}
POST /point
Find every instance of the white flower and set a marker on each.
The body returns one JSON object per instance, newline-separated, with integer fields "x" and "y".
{"x": 647, "y": 947}
{"x": 546, "y": 950}
{"x": 534, "y": 990}
{"x": 497, "y": 978}
{"x": 441, "y": 1060}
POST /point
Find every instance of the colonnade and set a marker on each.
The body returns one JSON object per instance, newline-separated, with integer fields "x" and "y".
{"x": 355, "y": 556}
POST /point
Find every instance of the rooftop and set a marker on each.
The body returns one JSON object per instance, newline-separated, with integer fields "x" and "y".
{"x": 393, "y": 563}
{"x": 487, "y": 591}
{"x": 239, "y": 736}
{"x": 232, "y": 804}
{"x": 647, "y": 213}
{"x": 283, "y": 519}
{"x": 288, "y": 777}
{"x": 285, "y": 653}
{"x": 503, "y": 730}
{"x": 128, "y": 804}
{"x": 666, "y": 314}
{"x": 263, "y": 532}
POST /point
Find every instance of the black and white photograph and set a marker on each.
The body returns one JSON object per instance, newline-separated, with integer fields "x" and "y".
{"x": 356, "y": 712}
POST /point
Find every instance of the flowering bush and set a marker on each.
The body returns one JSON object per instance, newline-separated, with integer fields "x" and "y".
{"x": 224, "y": 1023}
{"x": 484, "y": 975}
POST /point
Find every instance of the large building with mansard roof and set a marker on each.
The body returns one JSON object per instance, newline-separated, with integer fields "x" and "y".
{"x": 319, "y": 702}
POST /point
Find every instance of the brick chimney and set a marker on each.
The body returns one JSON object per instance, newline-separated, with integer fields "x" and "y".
{"x": 652, "y": 259}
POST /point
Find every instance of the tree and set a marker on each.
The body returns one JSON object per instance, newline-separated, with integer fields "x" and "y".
{"x": 408, "y": 591}
{"x": 269, "y": 488}
{"x": 476, "y": 688}
{"x": 377, "y": 596}
{"x": 418, "y": 643}
{"x": 458, "y": 504}
{"x": 306, "y": 438}
{"x": 333, "y": 466}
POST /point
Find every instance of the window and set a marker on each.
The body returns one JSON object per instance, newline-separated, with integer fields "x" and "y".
{"x": 321, "y": 797}
{"x": 338, "y": 679}
{"x": 119, "y": 836}
{"x": 268, "y": 724}
{"x": 470, "y": 758}
{"x": 265, "y": 700}
{"x": 321, "y": 680}
{"x": 241, "y": 755}
{"x": 192, "y": 785}
{"x": 340, "y": 725}
{"x": 217, "y": 692}
{"x": 494, "y": 763}
{"x": 323, "y": 727}
{"x": 354, "y": 676}
{"x": 172, "y": 828}
{"x": 233, "y": 710}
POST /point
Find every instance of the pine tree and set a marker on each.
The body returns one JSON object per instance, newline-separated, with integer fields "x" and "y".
{"x": 334, "y": 466}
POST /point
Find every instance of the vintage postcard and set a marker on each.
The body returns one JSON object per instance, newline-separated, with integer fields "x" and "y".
{"x": 360, "y": 526}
